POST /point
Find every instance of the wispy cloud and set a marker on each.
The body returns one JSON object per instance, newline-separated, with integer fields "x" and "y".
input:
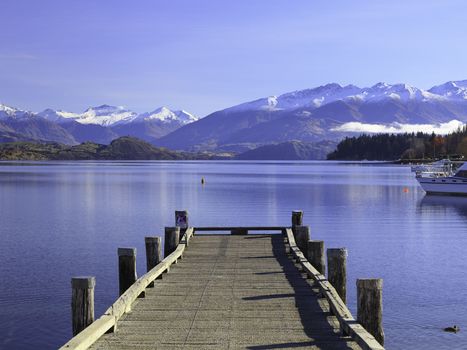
{"x": 397, "y": 128}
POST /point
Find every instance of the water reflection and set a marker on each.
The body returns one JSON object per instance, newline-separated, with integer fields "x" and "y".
{"x": 70, "y": 217}
{"x": 444, "y": 204}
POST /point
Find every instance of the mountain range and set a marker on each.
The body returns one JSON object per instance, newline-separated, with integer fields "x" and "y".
{"x": 328, "y": 112}
{"x": 100, "y": 124}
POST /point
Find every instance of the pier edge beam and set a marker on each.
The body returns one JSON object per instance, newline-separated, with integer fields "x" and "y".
{"x": 316, "y": 255}
{"x": 337, "y": 271}
{"x": 172, "y": 239}
{"x": 370, "y": 307}
{"x": 153, "y": 246}
{"x": 82, "y": 302}
{"x": 126, "y": 268}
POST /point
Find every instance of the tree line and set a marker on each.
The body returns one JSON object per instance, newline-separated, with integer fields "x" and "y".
{"x": 402, "y": 146}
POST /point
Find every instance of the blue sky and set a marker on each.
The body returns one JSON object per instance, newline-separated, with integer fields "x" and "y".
{"x": 203, "y": 55}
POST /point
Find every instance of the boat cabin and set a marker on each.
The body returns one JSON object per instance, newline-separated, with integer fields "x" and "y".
{"x": 462, "y": 172}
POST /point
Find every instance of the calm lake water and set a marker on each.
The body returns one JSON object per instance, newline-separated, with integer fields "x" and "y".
{"x": 65, "y": 219}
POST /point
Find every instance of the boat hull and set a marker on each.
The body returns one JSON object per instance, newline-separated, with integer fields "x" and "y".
{"x": 444, "y": 185}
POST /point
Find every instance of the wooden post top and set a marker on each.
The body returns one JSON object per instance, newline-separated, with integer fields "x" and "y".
{"x": 314, "y": 241}
{"x": 152, "y": 239}
{"x": 126, "y": 251}
{"x": 337, "y": 252}
{"x": 370, "y": 283}
{"x": 83, "y": 282}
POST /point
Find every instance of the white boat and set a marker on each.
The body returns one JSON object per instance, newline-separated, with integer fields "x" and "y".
{"x": 434, "y": 182}
{"x": 442, "y": 167}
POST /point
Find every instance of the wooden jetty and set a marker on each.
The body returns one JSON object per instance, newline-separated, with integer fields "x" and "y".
{"x": 231, "y": 291}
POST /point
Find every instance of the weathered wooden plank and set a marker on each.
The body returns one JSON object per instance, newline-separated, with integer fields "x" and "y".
{"x": 244, "y": 294}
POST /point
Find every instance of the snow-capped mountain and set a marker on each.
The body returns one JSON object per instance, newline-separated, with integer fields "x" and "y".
{"x": 103, "y": 115}
{"x": 322, "y": 95}
{"x": 14, "y": 113}
{"x": 398, "y": 92}
{"x": 100, "y": 124}
{"x": 451, "y": 90}
{"x": 325, "y": 112}
{"x": 106, "y": 115}
{"x": 165, "y": 115}
{"x": 315, "y": 97}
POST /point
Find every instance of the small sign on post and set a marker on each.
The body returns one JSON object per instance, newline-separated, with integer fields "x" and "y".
{"x": 181, "y": 219}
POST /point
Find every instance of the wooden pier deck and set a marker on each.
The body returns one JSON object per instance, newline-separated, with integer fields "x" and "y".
{"x": 237, "y": 291}
{"x": 230, "y": 292}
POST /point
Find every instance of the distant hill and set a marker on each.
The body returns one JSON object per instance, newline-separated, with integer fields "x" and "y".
{"x": 292, "y": 150}
{"x": 123, "y": 148}
{"x": 34, "y": 128}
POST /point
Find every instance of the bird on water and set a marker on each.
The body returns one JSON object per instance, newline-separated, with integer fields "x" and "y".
{"x": 453, "y": 329}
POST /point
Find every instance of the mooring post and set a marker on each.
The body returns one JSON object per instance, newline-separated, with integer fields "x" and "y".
{"x": 153, "y": 253}
{"x": 172, "y": 238}
{"x": 302, "y": 236}
{"x": 370, "y": 307}
{"x": 297, "y": 220}
{"x": 181, "y": 220}
{"x": 82, "y": 302}
{"x": 126, "y": 268}
{"x": 337, "y": 271}
{"x": 316, "y": 255}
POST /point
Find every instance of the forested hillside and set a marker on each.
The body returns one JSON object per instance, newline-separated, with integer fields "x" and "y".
{"x": 402, "y": 146}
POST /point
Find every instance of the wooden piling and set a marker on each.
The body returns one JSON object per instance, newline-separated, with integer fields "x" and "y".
{"x": 82, "y": 302}
{"x": 153, "y": 253}
{"x": 126, "y": 268}
{"x": 172, "y": 238}
{"x": 316, "y": 255}
{"x": 337, "y": 270}
{"x": 302, "y": 236}
{"x": 297, "y": 218}
{"x": 370, "y": 307}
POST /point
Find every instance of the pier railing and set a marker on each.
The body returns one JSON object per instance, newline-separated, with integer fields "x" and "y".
{"x": 348, "y": 325}
{"x": 346, "y": 321}
{"x": 122, "y": 305}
